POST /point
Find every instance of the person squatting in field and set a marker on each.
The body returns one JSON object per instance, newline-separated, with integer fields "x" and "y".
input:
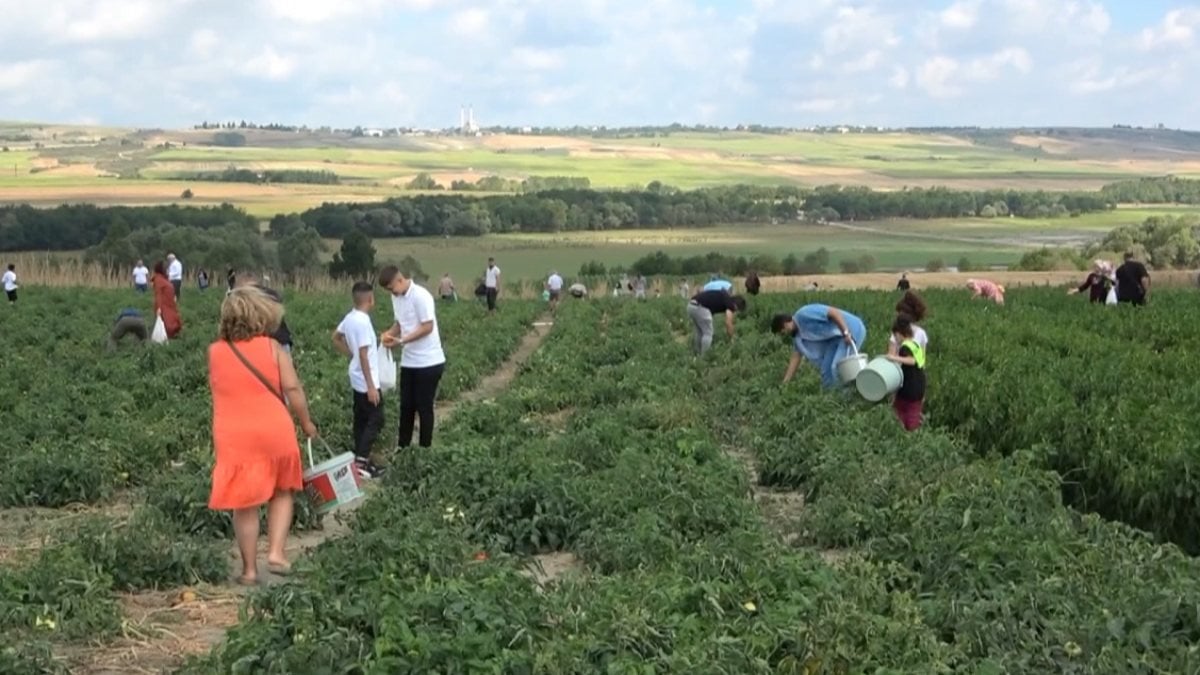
{"x": 355, "y": 338}
{"x": 912, "y": 306}
{"x": 129, "y": 322}
{"x": 703, "y": 307}
{"x": 256, "y": 393}
{"x": 910, "y": 398}
{"x": 821, "y": 334}
{"x": 422, "y": 360}
{"x": 982, "y": 288}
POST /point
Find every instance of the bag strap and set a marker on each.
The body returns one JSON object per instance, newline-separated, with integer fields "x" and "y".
{"x": 258, "y": 374}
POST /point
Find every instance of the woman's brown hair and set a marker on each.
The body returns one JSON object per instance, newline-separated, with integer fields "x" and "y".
{"x": 912, "y": 305}
{"x": 249, "y": 312}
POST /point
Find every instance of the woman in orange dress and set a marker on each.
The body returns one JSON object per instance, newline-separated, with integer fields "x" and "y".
{"x": 165, "y": 302}
{"x": 255, "y": 393}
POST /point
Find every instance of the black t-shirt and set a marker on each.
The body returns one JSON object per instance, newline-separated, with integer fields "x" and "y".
{"x": 903, "y": 285}
{"x": 913, "y": 388}
{"x": 717, "y": 302}
{"x": 753, "y": 285}
{"x": 1129, "y": 281}
{"x": 283, "y": 336}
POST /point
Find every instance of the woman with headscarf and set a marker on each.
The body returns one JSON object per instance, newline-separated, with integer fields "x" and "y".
{"x": 982, "y": 288}
{"x": 165, "y": 302}
{"x": 1098, "y": 283}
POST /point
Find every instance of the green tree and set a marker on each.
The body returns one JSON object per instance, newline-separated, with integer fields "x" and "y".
{"x": 423, "y": 181}
{"x": 187, "y": 194}
{"x": 300, "y": 251}
{"x": 356, "y": 258}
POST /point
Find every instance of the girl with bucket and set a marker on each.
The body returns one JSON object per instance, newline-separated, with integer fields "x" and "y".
{"x": 255, "y": 393}
{"x": 822, "y": 334}
{"x": 910, "y": 397}
{"x": 982, "y": 288}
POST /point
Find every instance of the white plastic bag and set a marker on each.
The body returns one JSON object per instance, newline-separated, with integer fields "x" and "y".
{"x": 1112, "y": 296}
{"x": 159, "y": 336}
{"x": 387, "y": 370}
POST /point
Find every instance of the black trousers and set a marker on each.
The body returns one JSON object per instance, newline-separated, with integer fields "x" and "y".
{"x": 418, "y": 391}
{"x": 368, "y": 422}
{"x": 178, "y": 285}
{"x": 491, "y": 298}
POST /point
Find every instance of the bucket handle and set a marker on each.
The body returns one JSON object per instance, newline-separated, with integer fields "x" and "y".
{"x": 853, "y": 347}
{"x": 308, "y": 447}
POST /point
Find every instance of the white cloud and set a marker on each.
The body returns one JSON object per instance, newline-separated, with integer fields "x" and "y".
{"x": 108, "y": 19}
{"x": 961, "y": 15}
{"x": 21, "y": 75}
{"x": 858, "y": 27}
{"x": 820, "y": 105}
{"x": 945, "y": 77}
{"x": 865, "y": 63}
{"x": 203, "y": 42}
{"x": 270, "y": 65}
{"x": 1177, "y": 29}
{"x": 530, "y": 58}
{"x": 899, "y": 78}
{"x": 934, "y": 76}
{"x": 472, "y": 22}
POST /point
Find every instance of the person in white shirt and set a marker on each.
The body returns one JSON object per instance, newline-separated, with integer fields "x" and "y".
{"x": 175, "y": 273}
{"x": 422, "y": 360}
{"x": 141, "y": 277}
{"x": 913, "y": 306}
{"x": 10, "y": 284}
{"x": 355, "y": 337}
{"x": 491, "y": 284}
{"x": 554, "y": 285}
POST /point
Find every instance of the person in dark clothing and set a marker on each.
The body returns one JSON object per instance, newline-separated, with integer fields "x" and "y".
{"x": 282, "y": 335}
{"x": 903, "y": 284}
{"x": 910, "y": 398}
{"x": 753, "y": 283}
{"x": 1097, "y": 284}
{"x": 230, "y": 281}
{"x": 129, "y": 322}
{"x": 1133, "y": 282}
{"x": 703, "y": 307}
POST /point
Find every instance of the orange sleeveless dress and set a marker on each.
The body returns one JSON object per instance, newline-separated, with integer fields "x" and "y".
{"x": 253, "y": 433}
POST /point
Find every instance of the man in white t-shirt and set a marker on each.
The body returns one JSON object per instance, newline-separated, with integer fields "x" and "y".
{"x": 422, "y": 361}
{"x": 355, "y": 338}
{"x": 491, "y": 284}
{"x": 10, "y": 284}
{"x": 175, "y": 273}
{"x": 141, "y": 277}
{"x": 554, "y": 285}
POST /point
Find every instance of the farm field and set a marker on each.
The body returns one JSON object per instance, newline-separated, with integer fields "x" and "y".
{"x": 804, "y": 533}
{"x": 76, "y": 164}
{"x": 896, "y": 245}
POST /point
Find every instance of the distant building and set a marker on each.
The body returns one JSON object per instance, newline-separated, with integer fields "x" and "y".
{"x": 466, "y": 121}
{"x": 376, "y": 133}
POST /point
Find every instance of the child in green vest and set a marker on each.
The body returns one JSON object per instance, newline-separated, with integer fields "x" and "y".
{"x": 910, "y": 398}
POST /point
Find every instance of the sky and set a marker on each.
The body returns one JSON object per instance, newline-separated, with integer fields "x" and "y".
{"x": 402, "y": 63}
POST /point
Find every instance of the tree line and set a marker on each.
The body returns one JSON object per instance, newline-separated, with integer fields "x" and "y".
{"x": 235, "y": 175}
{"x": 77, "y": 226}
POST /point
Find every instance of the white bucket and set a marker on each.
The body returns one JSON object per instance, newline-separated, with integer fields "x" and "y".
{"x": 332, "y": 483}
{"x": 880, "y": 378}
{"x": 849, "y": 367}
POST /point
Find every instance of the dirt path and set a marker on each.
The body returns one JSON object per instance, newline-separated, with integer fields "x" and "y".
{"x": 941, "y": 237}
{"x": 163, "y": 628}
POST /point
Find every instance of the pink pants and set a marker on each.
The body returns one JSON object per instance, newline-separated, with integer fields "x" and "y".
{"x": 909, "y": 412}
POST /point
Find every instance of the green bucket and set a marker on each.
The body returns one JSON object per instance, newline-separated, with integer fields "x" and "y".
{"x": 880, "y": 378}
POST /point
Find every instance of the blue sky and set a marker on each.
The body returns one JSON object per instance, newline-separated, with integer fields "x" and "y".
{"x": 614, "y": 62}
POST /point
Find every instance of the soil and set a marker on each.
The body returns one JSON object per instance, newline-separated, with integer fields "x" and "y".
{"x": 547, "y": 568}
{"x": 164, "y": 628}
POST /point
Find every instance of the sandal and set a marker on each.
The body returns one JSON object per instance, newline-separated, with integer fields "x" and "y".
{"x": 244, "y": 581}
{"x": 279, "y": 570}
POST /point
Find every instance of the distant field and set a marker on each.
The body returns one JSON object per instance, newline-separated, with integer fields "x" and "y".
{"x": 894, "y": 244}
{"x": 80, "y": 164}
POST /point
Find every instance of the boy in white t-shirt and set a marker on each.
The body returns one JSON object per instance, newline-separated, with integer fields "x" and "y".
{"x": 355, "y": 338}
{"x": 10, "y": 284}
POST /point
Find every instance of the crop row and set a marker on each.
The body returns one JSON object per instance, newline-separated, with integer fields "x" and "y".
{"x": 1006, "y": 576}
{"x": 598, "y": 449}
{"x": 1103, "y": 396}
{"x": 118, "y": 423}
